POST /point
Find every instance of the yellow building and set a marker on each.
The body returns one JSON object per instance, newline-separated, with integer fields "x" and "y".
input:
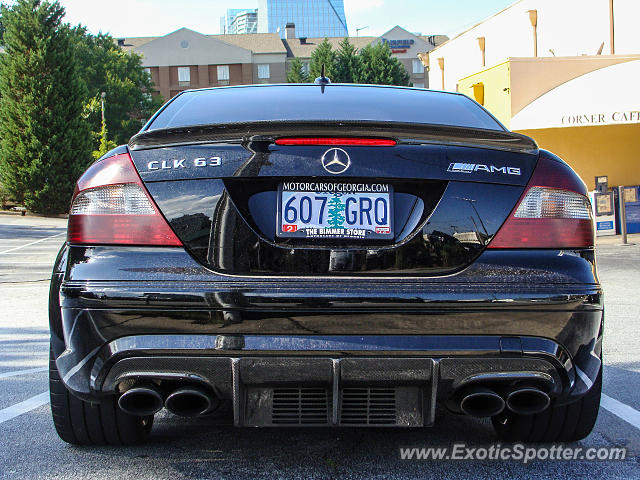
{"x": 585, "y": 109}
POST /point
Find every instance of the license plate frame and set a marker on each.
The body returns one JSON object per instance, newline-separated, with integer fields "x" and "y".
{"x": 342, "y": 190}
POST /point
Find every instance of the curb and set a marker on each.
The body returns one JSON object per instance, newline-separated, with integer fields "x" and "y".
{"x": 29, "y": 214}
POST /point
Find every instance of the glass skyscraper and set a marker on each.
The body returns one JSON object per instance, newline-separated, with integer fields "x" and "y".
{"x": 245, "y": 22}
{"x": 239, "y": 20}
{"x": 313, "y": 18}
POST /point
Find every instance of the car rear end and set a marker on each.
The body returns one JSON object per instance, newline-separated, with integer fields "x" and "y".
{"x": 344, "y": 255}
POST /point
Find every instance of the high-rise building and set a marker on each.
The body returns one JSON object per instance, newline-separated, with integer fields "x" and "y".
{"x": 239, "y": 20}
{"x": 244, "y": 22}
{"x": 226, "y": 20}
{"x": 312, "y": 18}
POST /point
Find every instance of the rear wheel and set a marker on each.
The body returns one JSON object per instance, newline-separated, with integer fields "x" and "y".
{"x": 564, "y": 423}
{"x": 83, "y": 423}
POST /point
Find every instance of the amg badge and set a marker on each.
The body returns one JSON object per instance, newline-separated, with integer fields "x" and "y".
{"x": 478, "y": 167}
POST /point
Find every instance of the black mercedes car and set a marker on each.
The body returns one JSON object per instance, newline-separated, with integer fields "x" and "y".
{"x": 326, "y": 255}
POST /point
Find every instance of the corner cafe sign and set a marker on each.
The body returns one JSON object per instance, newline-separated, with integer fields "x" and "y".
{"x": 607, "y": 96}
{"x": 574, "y": 120}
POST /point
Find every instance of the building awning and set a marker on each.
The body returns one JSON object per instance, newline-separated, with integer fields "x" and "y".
{"x": 607, "y": 96}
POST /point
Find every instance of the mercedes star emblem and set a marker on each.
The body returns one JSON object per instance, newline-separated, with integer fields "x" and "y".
{"x": 335, "y": 161}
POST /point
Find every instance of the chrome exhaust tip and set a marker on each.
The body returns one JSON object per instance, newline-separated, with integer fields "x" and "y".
{"x": 527, "y": 400}
{"x": 141, "y": 401}
{"x": 481, "y": 402}
{"x": 190, "y": 402}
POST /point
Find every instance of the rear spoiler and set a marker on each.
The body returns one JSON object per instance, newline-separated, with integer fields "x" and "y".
{"x": 403, "y": 133}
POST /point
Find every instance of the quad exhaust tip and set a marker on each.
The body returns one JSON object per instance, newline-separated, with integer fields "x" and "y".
{"x": 141, "y": 401}
{"x": 522, "y": 400}
{"x": 527, "y": 400}
{"x": 190, "y": 402}
{"x": 481, "y": 402}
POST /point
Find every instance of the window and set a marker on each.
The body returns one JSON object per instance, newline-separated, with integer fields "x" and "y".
{"x": 305, "y": 68}
{"x": 418, "y": 67}
{"x": 223, "y": 74}
{"x": 148, "y": 70}
{"x": 184, "y": 75}
{"x": 263, "y": 70}
{"x": 256, "y": 104}
{"x": 418, "y": 85}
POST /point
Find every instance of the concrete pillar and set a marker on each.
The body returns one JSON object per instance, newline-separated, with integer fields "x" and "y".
{"x": 247, "y": 73}
{"x": 203, "y": 76}
{"x": 533, "y": 18}
{"x": 164, "y": 82}
{"x": 481, "y": 44}
{"x": 612, "y": 37}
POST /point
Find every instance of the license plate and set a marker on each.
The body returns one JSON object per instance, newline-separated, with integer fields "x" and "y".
{"x": 335, "y": 210}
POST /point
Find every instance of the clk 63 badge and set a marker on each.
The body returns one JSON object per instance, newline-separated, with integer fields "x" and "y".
{"x": 180, "y": 163}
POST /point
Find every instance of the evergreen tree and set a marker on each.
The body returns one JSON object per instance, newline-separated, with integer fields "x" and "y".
{"x": 322, "y": 55}
{"x": 347, "y": 64}
{"x": 44, "y": 140}
{"x": 2, "y": 8}
{"x": 379, "y": 67}
{"x": 296, "y": 73}
{"x": 335, "y": 209}
{"x": 105, "y": 67}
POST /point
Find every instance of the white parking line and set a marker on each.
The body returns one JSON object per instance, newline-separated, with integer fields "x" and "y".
{"x": 33, "y": 243}
{"x": 621, "y": 410}
{"x": 26, "y": 263}
{"x": 27, "y": 371}
{"x": 24, "y": 407}
{"x": 23, "y": 337}
{"x": 31, "y": 254}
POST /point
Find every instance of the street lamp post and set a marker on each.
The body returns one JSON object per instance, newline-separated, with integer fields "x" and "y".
{"x": 103, "y": 95}
{"x": 471, "y": 202}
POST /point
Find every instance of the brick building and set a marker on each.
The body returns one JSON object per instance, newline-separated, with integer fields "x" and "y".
{"x": 186, "y": 59}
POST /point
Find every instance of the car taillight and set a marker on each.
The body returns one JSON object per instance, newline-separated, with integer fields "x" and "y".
{"x": 553, "y": 212}
{"x": 355, "y": 141}
{"x": 112, "y": 206}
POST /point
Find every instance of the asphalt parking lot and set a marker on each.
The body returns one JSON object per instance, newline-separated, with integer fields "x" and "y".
{"x": 30, "y": 448}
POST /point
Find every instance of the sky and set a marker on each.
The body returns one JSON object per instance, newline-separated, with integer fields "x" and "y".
{"x": 138, "y": 18}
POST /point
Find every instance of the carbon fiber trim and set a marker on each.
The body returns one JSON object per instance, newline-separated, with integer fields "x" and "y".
{"x": 367, "y": 391}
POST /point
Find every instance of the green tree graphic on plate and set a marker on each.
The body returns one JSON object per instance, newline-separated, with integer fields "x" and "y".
{"x": 336, "y": 207}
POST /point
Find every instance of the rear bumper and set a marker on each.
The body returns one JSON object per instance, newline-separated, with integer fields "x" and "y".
{"x": 254, "y": 372}
{"x": 253, "y": 381}
{"x": 248, "y": 339}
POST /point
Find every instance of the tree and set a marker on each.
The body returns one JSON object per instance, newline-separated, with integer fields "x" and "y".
{"x": 322, "y": 55}
{"x": 347, "y": 63}
{"x": 296, "y": 73}
{"x": 2, "y": 9}
{"x": 44, "y": 140}
{"x": 335, "y": 209}
{"x": 107, "y": 68}
{"x": 379, "y": 67}
{"x": 105, "y": 143}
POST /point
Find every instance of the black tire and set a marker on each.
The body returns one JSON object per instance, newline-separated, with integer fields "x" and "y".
{"x": 564, "y": 423}
{"x": 83, "y": 423}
